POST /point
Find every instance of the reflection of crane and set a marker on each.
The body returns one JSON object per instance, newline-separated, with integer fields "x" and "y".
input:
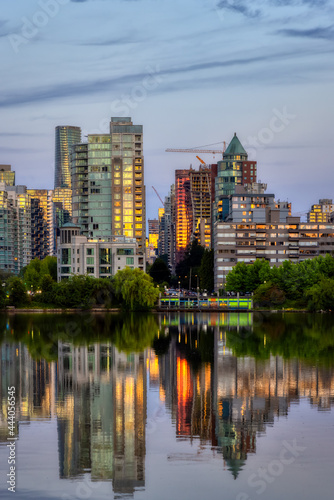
{"x": 158, "y": 195}
{"x": 196, "y": 150}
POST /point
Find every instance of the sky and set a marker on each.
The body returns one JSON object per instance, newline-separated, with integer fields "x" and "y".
{"x": 192, "y": 72}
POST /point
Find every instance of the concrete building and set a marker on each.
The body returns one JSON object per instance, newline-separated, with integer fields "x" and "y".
{"x": 97, "y": 257}
{"x": 15, "y": 228}
{"x": 234, "y": 170}
{"x": 250, "y": 203}
{"x": 7, "y": 175}
{"x": 166, "y": 244}
{"x": 271, "y": 240}
{"x": 321, "y": 212}
{"x": 42, "y": 223}
{"x": 108, "y": 183}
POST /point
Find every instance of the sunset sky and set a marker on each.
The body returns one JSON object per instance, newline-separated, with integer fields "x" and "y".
{"x": 191, "y": 72}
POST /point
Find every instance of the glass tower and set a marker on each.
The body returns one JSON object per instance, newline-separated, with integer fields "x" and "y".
{"x": 108, "y": 183}
{"x": 66, "y": 136}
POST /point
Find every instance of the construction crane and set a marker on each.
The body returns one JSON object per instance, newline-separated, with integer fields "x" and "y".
{"x": 158, "y": 195}
{"x": 196, "y": 150}
{"x": 200, "y": 159}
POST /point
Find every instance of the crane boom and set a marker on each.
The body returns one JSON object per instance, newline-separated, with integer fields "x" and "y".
{"x": 158, "y": 195}
{"x": 212, "y": 151}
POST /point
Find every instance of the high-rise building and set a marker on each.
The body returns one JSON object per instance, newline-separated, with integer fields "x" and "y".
{"x": 62, "y": 201}
{"x": 6, "y": 175}
{"x": 108, "y": 183}
{"x": 66, "y": 137}
{"x": 15, "y": 228}
{"x": 153, "y": 232}
{"x": 321, "y": 212}
{"x": 42, "y": 223}
{"x": 193, "y": 200}
{"x": 233, "y": 170}
{"x": 166, "y": 244}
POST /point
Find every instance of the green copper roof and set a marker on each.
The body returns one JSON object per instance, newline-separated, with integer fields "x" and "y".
{"x": 235, "y": 147}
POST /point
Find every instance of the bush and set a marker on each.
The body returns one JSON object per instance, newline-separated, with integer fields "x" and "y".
{"x": 268, "y": 294}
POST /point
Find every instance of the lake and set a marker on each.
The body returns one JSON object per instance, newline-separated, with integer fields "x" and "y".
{"x": 175, "y": 406}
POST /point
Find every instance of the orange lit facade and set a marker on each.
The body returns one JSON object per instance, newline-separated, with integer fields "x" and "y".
{"x": 183, "y": 222}
{"x": 193, "y": 206}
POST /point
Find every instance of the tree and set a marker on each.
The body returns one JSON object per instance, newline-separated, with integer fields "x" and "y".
{"x": 191, "y": 262}
{"x": 159, "y": 271}
{"x": 268, "y": 294}
{"x": 17, "y": 292}
{"x": 36, "y": 269}
{"x": 206, "y": 270}
{"x": 321, "y": 295}
{"x": 136, "y": 288}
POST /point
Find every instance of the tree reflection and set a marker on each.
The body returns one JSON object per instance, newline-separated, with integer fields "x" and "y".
{"x": 41, "y": 333}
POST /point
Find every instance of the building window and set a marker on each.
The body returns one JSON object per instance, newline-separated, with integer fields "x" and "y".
{"x": 105, "y": 256}
{"x": 90, "y": 251}
{"x": 65, "y": 256}
{"x": 90, "y": 270}
{"x": 129, "y": 261}
{"x": 125, "y": 251}
{"x": 90, "y": 260}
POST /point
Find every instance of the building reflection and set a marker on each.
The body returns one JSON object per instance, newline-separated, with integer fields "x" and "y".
{"x": 101, "y": 415}
{"x": 227, "y": 402}
{"x": 216, "y": 401}
{"x": 98, "y": 396}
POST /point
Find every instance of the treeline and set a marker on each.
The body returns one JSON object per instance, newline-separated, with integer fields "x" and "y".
{"x": 194, "y": 270}
{"x": 309, "y": 283}
{"x": 37, "y": 286}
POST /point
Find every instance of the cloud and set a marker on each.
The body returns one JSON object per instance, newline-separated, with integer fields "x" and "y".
{"x": 319, "y": 32}
{"x": 257, "y": 8}
{"x": 239, "y": 6}
{"x": 126, "y": 83}
{"x": 18, "y": 134}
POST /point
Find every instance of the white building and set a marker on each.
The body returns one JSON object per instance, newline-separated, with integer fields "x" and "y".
{"x": 99, "y": 257}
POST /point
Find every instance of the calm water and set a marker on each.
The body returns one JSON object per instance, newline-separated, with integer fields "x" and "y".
{"x": 210, "y": 406}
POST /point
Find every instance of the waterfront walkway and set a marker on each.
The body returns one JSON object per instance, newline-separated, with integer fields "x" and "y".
{"x": 204, "y": 304}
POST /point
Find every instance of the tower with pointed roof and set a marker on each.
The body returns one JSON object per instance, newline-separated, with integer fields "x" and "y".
{"x": 234, "y": 170}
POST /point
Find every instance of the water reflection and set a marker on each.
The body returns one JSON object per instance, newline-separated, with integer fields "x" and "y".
{"x": 222, "y": 379}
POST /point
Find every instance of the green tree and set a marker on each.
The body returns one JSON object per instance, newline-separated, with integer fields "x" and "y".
{"x": 236, "y": 278}
{"x": 36, "y": 269}
{"x": 136, "y": 289}
{"x": 49, "y": 266}
{"x": 17, "y": 292}
{"x": 268, "y": 294}
{"x": 321, "y": 295}
{"x": 159, "y": 271}
{"x": 206, "y": 270}
{"x": 191, "y": 262}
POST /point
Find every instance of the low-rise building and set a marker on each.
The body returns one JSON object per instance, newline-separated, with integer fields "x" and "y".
{"x": 97, "y": 257}
{"x": 275, "y": 242}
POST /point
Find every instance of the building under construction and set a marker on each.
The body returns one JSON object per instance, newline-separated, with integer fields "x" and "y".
{"x": 194, "y": 194}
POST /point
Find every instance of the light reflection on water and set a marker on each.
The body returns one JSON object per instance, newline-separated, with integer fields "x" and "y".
{"x": 216, "y": 401}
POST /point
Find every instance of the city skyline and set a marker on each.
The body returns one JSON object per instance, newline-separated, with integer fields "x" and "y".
{"x": 261, "y": 71}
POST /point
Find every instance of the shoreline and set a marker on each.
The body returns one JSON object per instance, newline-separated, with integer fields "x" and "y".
{"x": 154, "y": 311}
